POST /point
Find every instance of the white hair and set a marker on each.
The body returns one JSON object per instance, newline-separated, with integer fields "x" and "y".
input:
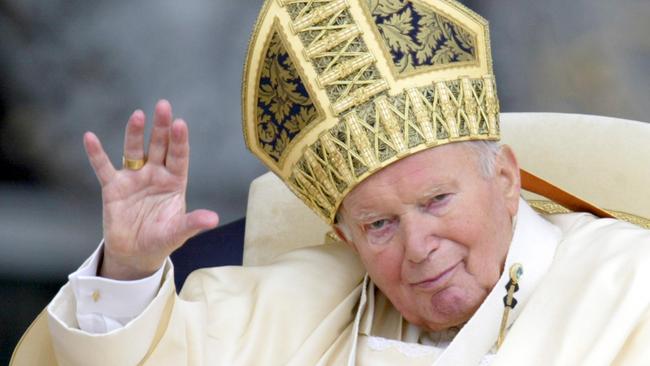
{"x": 486, "y": 152}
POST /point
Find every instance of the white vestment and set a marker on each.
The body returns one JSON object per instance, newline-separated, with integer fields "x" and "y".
{"x": 583, "y": 299}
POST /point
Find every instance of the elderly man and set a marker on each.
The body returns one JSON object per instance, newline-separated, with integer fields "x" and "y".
{"x": 382, "y": 117}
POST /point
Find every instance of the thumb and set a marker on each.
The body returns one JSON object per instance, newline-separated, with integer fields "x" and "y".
{"x": 196, "y": 222}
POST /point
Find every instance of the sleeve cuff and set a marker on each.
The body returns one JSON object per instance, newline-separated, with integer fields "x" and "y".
{"x": 111, "y": 302}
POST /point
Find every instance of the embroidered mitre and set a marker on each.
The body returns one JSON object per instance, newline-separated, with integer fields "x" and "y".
{"x": 335, "y": 90}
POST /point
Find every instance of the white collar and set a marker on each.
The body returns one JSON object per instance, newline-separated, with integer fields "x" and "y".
{"x": 533, "y": 246}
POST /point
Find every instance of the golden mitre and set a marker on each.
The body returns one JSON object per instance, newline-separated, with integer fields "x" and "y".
{"x": 335, "y": 90}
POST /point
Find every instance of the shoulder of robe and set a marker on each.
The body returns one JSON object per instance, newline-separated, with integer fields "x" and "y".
{"x": 327, "y": 269}
{"x": 310, "y": 289}
{"x": 592, "y": 304}
{"x": 603, "y": 242}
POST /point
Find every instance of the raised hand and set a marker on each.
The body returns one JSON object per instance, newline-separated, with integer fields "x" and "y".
{"x": 144, "y": 210}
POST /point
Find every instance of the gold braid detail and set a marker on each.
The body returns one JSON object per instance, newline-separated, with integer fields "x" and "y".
{"x": 491, "y": 104}
{"x": 337, "y": 160}
{"x": 448, "y": 109}
{"x": 390, "y": 124}
{"x": 344, "y": 69}
{"x": 359, "y": 96}
{"x": 360, "y": 140}
{"x": 321, "y": 13}
{"x": 339, "y": 153}
{"x": 312, "y": 191}
{"x": 471, "y": 106}
{"x": 319, "y": 172}
{"x": 421, "y": 115}
{"x": 331, "y": 41}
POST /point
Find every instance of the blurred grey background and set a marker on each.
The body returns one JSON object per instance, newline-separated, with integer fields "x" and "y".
{"x": 71, "y": 66}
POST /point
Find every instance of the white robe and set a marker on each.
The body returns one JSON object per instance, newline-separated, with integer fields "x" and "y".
{"x": 583, "y": 299}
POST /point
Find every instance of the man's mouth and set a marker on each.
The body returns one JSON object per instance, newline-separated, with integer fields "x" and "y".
{"x": 436, "y": 282}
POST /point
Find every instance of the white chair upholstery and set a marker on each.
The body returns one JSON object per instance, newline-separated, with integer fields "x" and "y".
{"x": 603, "y": 160}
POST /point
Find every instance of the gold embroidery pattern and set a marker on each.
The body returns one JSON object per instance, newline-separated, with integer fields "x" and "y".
{"x": 284, "y": 107}
{"x": 419, "y": 38}
{"x": 339, "y": 55}
{"x": 552, "y": 208}
{"x": 377, "y": 133}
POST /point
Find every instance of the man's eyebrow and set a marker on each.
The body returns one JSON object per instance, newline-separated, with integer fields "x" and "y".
{"x": 364, "y": 215}
{"x": 433, "y": 191}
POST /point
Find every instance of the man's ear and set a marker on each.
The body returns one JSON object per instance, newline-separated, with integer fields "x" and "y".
{"x": 507, "y": 173}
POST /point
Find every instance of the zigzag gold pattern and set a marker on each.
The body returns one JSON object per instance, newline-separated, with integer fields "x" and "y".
{"x": 336, "y": 159}
{"x": 360, "y": 139}
{"x": 319, "y": 172}
{"x": 471, "y": 107}
{"x": 354, "y": 148}
{"x": 344, "y": 69}
{"x": 421, "y": 115}
{"x": 321, "y": 13}
{"x": 390, "y": 124}
{"x": 331, "y": 41}
{"x": 448, "y": 108}
{"x": 359, "y": 96}
{"x": 312, "y": 191}
{"x": 492, "y": 104}
{"x": 333, "y": 44}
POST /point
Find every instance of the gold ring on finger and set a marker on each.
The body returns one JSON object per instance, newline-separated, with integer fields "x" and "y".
{"x": 133, "y": 164}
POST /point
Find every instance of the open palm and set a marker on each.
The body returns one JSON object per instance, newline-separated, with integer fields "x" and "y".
{"x": 144, "y": 211}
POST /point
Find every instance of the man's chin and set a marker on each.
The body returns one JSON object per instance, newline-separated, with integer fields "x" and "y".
{"x": 451, "y": 307}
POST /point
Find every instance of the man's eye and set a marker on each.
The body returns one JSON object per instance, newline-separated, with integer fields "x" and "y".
{"x": 439, "y": 200}
{"x": 378, "y": 225}
{"x": 440, "y": 197}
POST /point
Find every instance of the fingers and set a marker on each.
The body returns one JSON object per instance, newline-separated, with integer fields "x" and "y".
{"x": 178, "y": 153}
{"x": 196, "y": 222}
{"x": 134, "y": 136}
{"x": 176, "y": 156}
{"x": 162, "y": 120}
{"x": 100, "y": 162}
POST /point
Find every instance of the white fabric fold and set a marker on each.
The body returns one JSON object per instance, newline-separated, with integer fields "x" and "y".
{"x": 103, "y": 304}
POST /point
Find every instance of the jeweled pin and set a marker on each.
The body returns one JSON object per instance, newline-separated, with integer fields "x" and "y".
{"x": 509, "y": 301}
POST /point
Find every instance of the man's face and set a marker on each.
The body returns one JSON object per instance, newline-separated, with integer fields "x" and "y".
{"x": 433, "y": 231}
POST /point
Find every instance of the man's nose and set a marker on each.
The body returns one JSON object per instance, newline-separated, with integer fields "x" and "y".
{"x": 420, "y": 237}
